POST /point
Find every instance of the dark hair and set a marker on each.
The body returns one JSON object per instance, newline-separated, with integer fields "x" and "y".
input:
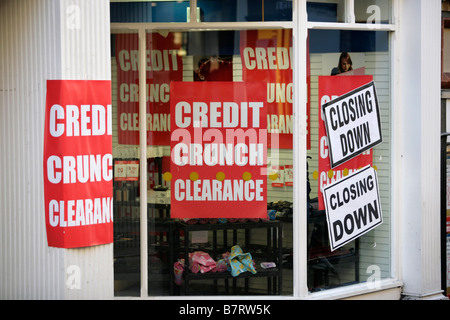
{"x": 345, "y": 55}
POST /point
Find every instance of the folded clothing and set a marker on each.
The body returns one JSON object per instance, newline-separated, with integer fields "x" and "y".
{"x": 202, "y": 262}
{"x": 240, "y": 261}
{"x": 237, "y": 262}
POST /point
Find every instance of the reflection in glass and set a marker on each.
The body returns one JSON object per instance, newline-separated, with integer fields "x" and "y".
{"x": 373, "y": 11}
{"x": 197, "y": 57}
{"x": 326, "y": 11}
{"x": 358, "y": 260}
{"x": 249, "y": 10}
{"x": 126, "y": 186}
{"x": 207, "y": 11}
{"x": 126, "y": 222}
{"x": 149, "y": 11}
{"x": 365, "y": 11}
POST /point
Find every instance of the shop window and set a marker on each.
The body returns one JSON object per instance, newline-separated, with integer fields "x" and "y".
{"x": 126, "y": 185}
{"x": 207, "y": 11}
{"x": 148, "y": 11}
{"x": 367, "y": 256}
{"x": 187, "y": 218}
{"x": 363, "y": 11}
{"x": 373, "y": 11}
{"x": 249, "y": 10}
{"x": 445, "y": 70}
{"x": 245, "y": 207}
{"x": 326, "y": 11}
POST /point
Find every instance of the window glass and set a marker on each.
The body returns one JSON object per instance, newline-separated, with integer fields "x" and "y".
{"x": 326, "y": 11}
{"x": 230, "y": 204}
{"x": 365, "y": 11}
{"x": 149, "y": 11}
{"x": 365, "y": 256}
{"x": 248, "y": 10}
{"x": 207, "y": 11}
{"x": 126, "y": 192}
{"x": 373, "y": 11}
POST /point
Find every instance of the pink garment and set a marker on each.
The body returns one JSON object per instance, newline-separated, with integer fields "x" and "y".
{"x": 200, "y": 261}
{"x": 178, "y": 270}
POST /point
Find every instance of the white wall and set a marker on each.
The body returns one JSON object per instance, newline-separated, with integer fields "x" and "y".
{"x": 418, "y": 152}
{"x": 29, "y": 54}
{"x": 40, "y": 40}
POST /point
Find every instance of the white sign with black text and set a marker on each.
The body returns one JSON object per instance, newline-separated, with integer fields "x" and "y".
{"x": 352, "y": 122}
{"x": 352, "y": 206}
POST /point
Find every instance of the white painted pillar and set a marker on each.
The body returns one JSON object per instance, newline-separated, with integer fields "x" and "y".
{"x": 41, "y": 40}
{"x": 418, "y": 167}
{"x": 86, "y": 55}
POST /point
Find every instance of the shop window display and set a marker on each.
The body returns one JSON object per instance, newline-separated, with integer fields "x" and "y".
{"x": 252, "y": 189}
{"x": 213, "y": 78}
{"x": 207, "y": 11}
{"x": 326, "y": 11}
{"x": 338, "y": 67}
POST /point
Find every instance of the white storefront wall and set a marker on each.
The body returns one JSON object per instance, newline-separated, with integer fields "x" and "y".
{"x": 419, "y": 145}
{"x": 70, "y": 39}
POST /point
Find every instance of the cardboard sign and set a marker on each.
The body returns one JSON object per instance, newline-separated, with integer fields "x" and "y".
{"x": 331, "y": 87}
{"x": 352, "y": 207}
{"x": 78, "y": 163}
{"x": 218, "y": 150}
{"x": 353, "y": 123}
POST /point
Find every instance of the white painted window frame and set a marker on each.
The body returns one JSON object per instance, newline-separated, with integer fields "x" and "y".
{"x": 300, "y": 27}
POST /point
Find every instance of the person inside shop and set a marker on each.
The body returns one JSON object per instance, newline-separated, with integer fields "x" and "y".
{"x": 214, "y": 68}
{"x": 345, "y": 64}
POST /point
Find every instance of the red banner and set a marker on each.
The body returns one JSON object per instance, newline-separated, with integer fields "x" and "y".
{"x": 218, "y": 150}
{"x": 78, "y": 163}
{"x": 331, "y": 87}
{"x": 267, "y": 57}
{"x": 163, "y": 64}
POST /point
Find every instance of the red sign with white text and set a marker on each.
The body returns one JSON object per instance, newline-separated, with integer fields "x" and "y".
{"x": 267, "y": 57}
{"x": 331, "y": 87}
{"x": 78, "y": 163}
{"x": 163, "y": 64}
{"x": 218, "y": 150}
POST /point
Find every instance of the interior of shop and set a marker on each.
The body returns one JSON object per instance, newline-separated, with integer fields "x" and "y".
{"x": 250, "y": 256}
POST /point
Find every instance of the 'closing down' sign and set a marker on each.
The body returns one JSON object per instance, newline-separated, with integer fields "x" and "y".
{"x": 352, "y": 123}
{"x": 352, "y": 206}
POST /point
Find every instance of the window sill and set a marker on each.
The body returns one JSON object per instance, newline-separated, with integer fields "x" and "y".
{"x": 359, "y": 291}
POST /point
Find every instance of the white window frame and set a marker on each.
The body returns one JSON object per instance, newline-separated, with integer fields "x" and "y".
{"x": 300, "y": 27}
{"x": 394, "y": 280}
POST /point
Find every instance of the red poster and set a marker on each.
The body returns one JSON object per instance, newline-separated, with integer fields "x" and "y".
{"x": 218, "y": 150}
{"x": 279, "y": 181}
{"x": 331, "y": 87}
{"x": 289, "y": 175}
{"x": 78, "y": 163}
{"x": 163, "y": 64}
{"x": 267, "y": 57}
